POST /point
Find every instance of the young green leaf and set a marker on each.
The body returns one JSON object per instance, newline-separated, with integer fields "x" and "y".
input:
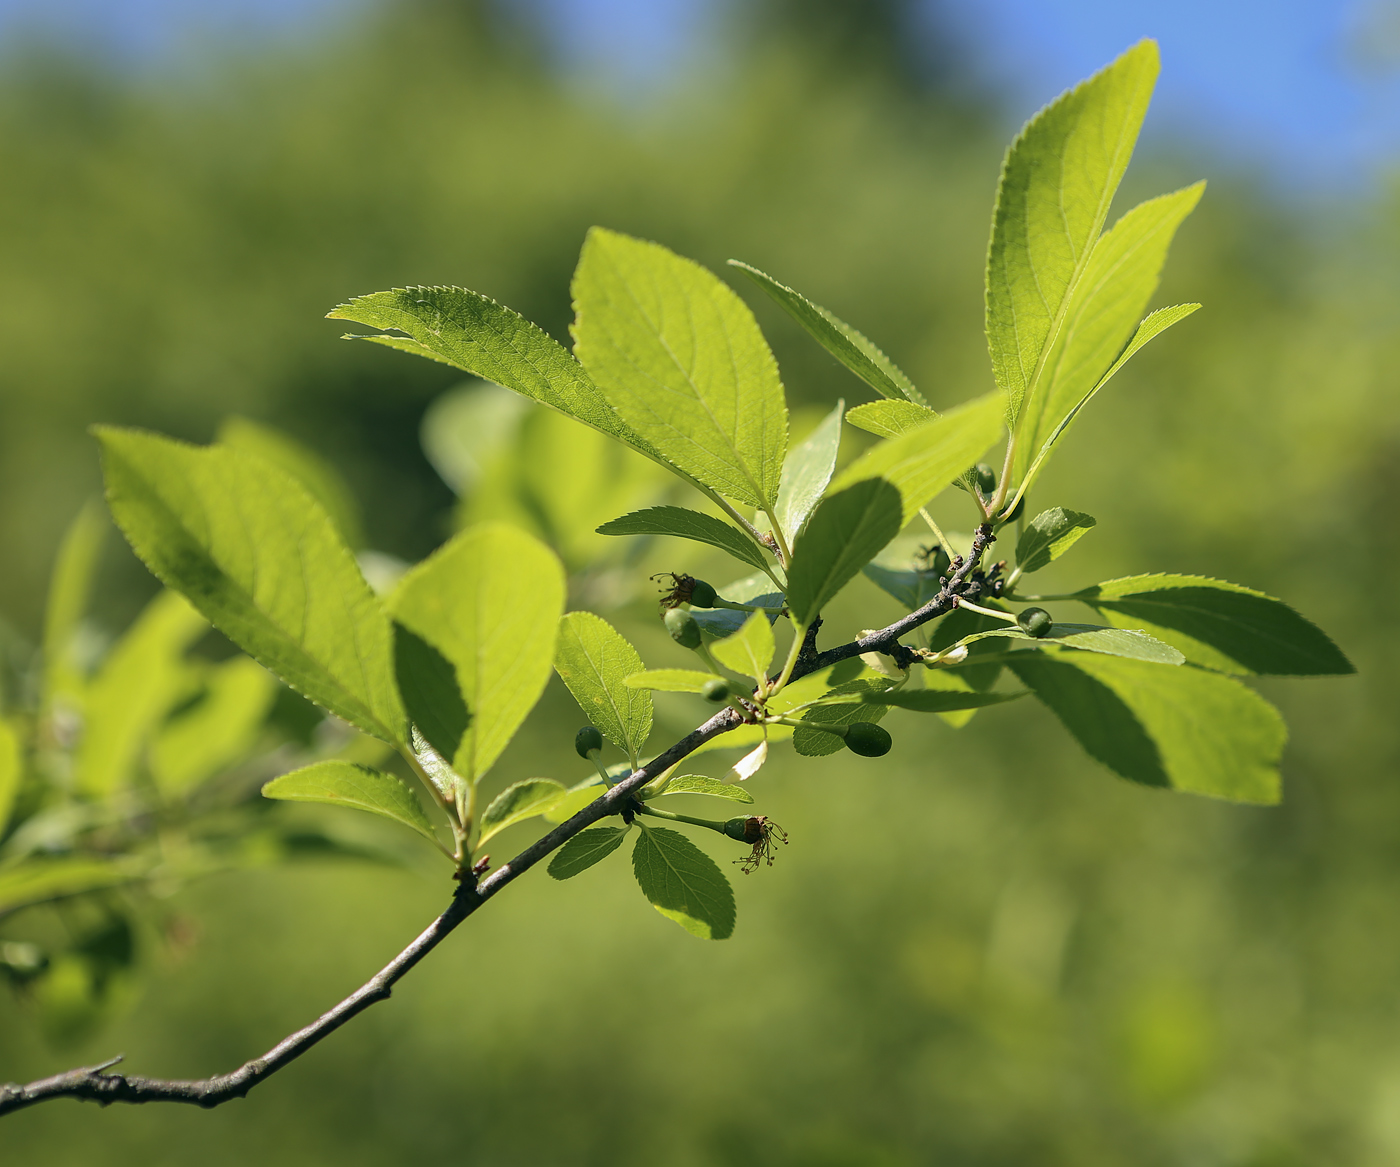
{"x": 815, "y": 685}
{"x": 806, "y": 473}
{"x": 253, "y": 550}
{"x": 428, "y": 685}
{"x": 69, "y": 590}
{"x": 593, "y": 659}
{"x": 669, "y": 680}
{"x": 1049, "y": 535}
{"x": 688, "y": 524}
{"x": 889, "y": 419}
{"x": 814, "y": 743}
{"x": 585, "y": 849}
{"x": 683, "y": 883}
{"x": 305, "y": 465}
{"x": 518, "y": 802}
{"x": 37, "y": 881}
{"x": 139, "y": 683}
{"x": 681, "y": 359}
{"x": 1131, "y": 643}
{"x": 846, "y": 531}
{"x": 359, "y": 787}
{"x": 1220, "y": 625}
{"x": 700, "y": 784}
{"x": 750, "y": 650}
{"x": 842, "y": 341}
{"x": 489, "y": 600}
{"x": 1184, "y": 728}
{"x": 217, "y": 731}
{"x": 922, "y": 462}
{"x": 1056, "y": 185}
{"x": 11, "y": 772}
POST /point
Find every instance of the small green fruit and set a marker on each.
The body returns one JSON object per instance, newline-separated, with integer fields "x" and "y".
{"x": 587, "y": 740}
{"x": 716, "y": 690}
{"x": 868, "y": 740}
{"x": 683, "y": 627}
{"x": 1016, "y": 511}
{"x": 986, "y": 478}
{"x": 702, "y": 595}
{"x": 1034, "y": 622}
{"x": 745, "y": 829}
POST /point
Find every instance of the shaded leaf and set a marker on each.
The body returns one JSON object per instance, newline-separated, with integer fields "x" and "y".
{"x": 743, "y": 737}
{"x": 217, "y": 731}
{"x": 748, "y": 651}
{"x": 700, "y": 784}
{"x": 813, "y": 743}
{"x": 518, "y": 802}
{"x": 683, "y": 883}
{"x": 585, "y": 849}
{"x": 358, "y": 787}
{"x": 37, "y": 881}
{"x": 688, "y": 524}
{"x": 11, "y": 772}
{"x": 1049, "y": 535}
{"x": 814, "y": 685}
{"x": 1125, "y": 642}
{"x": 70, "y": 588}
{"x": 670, "y": 680}
{"x": 847, "y": 530}
{"x": 806, "y": 473}
{"x": 889, "y": 419}
{"x": 428, "y": 685}
{"x": 934, "y": 700}
{"x": 576, "y": 798}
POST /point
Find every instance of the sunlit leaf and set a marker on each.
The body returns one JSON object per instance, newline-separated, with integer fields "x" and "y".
{"x": 688, "y": 524}
{"x": 217, "y": 731}
{"x": 670, "y": 680}
{"x": 683, "y": 883}
{"x": 428, "y": 685}
{"x": 518, "y": 802}
{"x": 11, "y": 771}
{"x": 1049, "y": 535}
{"x": 593, "y": 659}
{"x": 889, "y": 419}
{"x": 847, "y": 530}
{"x": 358, "y": 787}
{"x": 806, "y": 472}
{"x": 748, "y": 651}
{"x": 585, "y": 849}
{"x": 1131, "y": 643}
{"x": 700, "y": 784}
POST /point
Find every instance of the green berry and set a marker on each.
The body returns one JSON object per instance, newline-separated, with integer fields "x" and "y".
{"x": 683, "y": 627}
{"x": 1034, "y": 622}
{"x": 587, "y": 740}
{"x": 1016, "y": 511}
{"x": 868, "y": 740}
{"x": 716, "y": 690}
{"x": 746, "y": 828}
{"x": 702, "y": 595}
{"x": 986, "y": 478}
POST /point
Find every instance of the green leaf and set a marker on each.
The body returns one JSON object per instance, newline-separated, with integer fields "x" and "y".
{"x": 1220, "y": 625}
{"x": 593, "y": 659}
{"x": 69, "y": 591}
{"x": 253, "y": 551}
{"x": 838, "y": 338}
{"x": 814, "y": 685}
{"x": 683, "y": 883}
{"x": 37, "y": 881}
{"x": 1184, "y": 728}
{"x": 489, "y": 600}
{"x": 359, "y": 787}
{"x": 847, "y": 530}
{"x": 1056, "y": 185}
{"x": 717, "y": 623}
{"x": 688, "y": 524}
{"x": 217, "y": 731}
{"x": 1131, "y": 643}
{"x": 744, "y": 737}
{"x": 428, "y": 684}
{"x": 904, "y": 570}
{"x": 1102, "y": 312}
{"x": 748, "y": 651}
{"x": 305, "y": 465}
{"x": 700, "y": 784}
{"x": 1049, "y": 535}
{"x": 670, "y": 680}
{"x": 585, "y": 849}
{"x": 681, "y": 359}
{"x": 465, "y": 429}
{"x": 813, "y": 743}
{"x": 973, "y": 676}
{"x": 924, "y": 461}
{"x": 518, "y": 802}
{"x": 139, "y": 683}
{"x": 933, "y": 700}
{"x": 575, "y": 799}
{"x": 11, "y": 772}
{"x": 806, "y": 473}
{"x": 889, "y": 419}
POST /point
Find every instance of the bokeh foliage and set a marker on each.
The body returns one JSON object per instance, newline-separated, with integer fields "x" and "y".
{"x": 983, "y": 950}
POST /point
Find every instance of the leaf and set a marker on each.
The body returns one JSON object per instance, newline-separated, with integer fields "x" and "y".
{"x": 838, "y": 338}
{"x": 889, "y": 419}
{"x": 814, "y": 685}
{"x": 1220, "y": 625}
{"x": 973, "y": 676}
{"x": 428, "y": 685}
{"x": 11, "y": 772}
{"x": 847, "y": 530}
{"x": 905, "y": 570}
{"x": 217, "y": 731}
{"x": 489, "y": 600}
{"x": 681, "y": 359}
{"x": 688, "y": 524}
{"x": 670, "y": 680}
{"x": 744, "y": 737}
{"x": 813, "y": 743}
{"x": 465, "y": 429}
{"x": 751, "y": 763}
{"x": 139, "y": 683}
{"x": 934, "y": 700}
{"x": 253, "y": 551}
{"x": 593, "y": 659}
{"x": 924, "y": 461}
{"x": 1056, "y": 185}
{"x": 1049, "y": 535}
{"x": 69, "y": 591}
{"x": 683, "y": 883}
{"x": 806, "y": 473}
{"x": 585, "y": 849}
{"x": 305, "y": 465}
{"x": 1184, "y": 728}
{"x": 518, "y": 802}
{"x": 359, "y": 787}
{"x": 575, "y": 799}
{"x": 717, "y": 623}
{"x": 700, "y": 784}
{"x": 1103, "y": 310}
{"x": 750, "y": 650}
{"x": 1131, "y": 643}
{"x": 37, "y": 881}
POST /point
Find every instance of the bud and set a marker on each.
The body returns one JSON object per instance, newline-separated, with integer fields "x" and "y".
{"x": 986, "y": 478}
{"x": 587, "y": 740}
{"x": 1034, "y": 622}
{"x": 683, "y": 627}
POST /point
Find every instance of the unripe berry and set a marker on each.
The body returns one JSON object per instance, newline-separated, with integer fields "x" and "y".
{"x": 587, "y": 740}
{"x": 683, "y": 627}
{"x": 1016, "y": 511}
{"x": 868, "y": 740}
{"x": 746, "y": 828}
{"x": 702, "y": 595}
{"x": 716, "y": 690}
{"x": 986, "y": 478}
{"x": 1034, "y": 622}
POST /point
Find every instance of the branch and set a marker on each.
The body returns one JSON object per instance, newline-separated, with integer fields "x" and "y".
{"x": 95, "y": 1084}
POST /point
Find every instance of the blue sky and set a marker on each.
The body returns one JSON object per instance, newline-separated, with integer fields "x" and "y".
{"x": 1306, "y": 89}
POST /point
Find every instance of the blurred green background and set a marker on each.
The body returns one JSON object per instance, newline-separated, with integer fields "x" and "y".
{"x": 982, "y": 950}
